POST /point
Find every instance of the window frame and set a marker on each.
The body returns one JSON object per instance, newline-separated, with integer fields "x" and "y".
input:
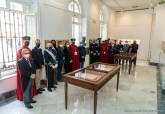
{"x": 103, "y": 25}
{"x": 76, "y": 15}
{"x": 13, "y": 38}
{"x": 5, "y": 4}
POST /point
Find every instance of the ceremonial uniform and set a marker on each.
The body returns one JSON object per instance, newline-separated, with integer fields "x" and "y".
{"x": 103, "y": 53}
{"x": 82, "y": 51}
{"x": 74, "y": 52}
{"x": 50, "y": 59}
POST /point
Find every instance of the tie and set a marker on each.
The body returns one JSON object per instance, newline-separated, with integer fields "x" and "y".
{"x": 29, "y": 63}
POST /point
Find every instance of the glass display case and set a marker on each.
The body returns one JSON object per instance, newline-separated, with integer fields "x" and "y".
{"x": 93, "y": 77}
{"x": 102, "y": 67}
{"x": 89, "y": 75}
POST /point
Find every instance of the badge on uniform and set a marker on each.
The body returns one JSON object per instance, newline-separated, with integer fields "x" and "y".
{"x": 75, "y": 53}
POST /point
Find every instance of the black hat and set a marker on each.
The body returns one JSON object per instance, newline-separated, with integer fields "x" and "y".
{"x": 26, "y": 38}
{"x": 72, "y": 39}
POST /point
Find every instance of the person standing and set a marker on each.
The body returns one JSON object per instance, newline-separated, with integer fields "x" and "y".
{"x": 52, "y": 64}
{"x": 82, "y": 51}
{"x": 60, "y": 59}
{"x": 27, "y": 72}
{"x": 74, "y": 52}
{"x": 54, "y": 44}
{"x": 96, "y": 51}
{"x": 19, "y": 94}
{"x": 134, "y": 47}
{"x": 103, "y": 53}
{"x": 120, "y": 50}
{"x": 109, "y": 45}
{"x": 120, "y": 46}
{"x": 91, "y": 50}
{"x": 68, "y": 60}
{"x": 126, "y": 47}
{"x": 39, "y": 63}
{"x": 134, "y": 50}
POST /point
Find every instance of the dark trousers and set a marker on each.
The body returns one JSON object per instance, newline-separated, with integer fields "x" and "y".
{"x": 93, "y": 59}
{"x": 82, "y": 64}
{"x": 28, "y": 93}
{"x": 51, "y": 75}
{"x": 59, "y": 72}
{"x": 68, "y": 67}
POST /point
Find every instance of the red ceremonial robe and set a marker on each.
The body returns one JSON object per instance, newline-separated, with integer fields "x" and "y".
{"x": 19, "y": 88}
{"x": 75, "y": 56}
{"x": 103, "y": 53}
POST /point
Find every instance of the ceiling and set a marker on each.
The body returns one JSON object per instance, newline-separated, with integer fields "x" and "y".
{"x": 122, "y": 5}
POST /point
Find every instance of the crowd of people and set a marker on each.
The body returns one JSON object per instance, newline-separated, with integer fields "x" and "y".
{"x": 36, "y": 65}
{"x": 105, "y": 51}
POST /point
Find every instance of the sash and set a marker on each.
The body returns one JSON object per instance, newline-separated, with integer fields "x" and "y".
{"x": 51, "y": 54}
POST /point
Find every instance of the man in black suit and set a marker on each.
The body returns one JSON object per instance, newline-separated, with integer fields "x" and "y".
{"x": 60, "y": 59}
{"x": 39, "y": 63}
{"x": 27, "y": 71}
{"x": 134, "y": 48}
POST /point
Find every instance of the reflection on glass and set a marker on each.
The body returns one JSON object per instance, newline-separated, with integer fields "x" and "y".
{"x": 103, "y": 67}
{"x": 88, "y": 75}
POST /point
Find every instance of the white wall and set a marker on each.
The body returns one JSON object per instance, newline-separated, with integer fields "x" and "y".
{"x": 93, "y": 26}
{"x": 158, "y": 35}
{"x": 8, "y": 84}
{"x": 56, "y": 20}
{"x": 133, "y": 25}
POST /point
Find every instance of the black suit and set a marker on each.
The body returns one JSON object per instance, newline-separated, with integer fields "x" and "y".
{"x": 26, "y": 68}
{"x": 67, "y": 64}
{"x": 38, "y": 57}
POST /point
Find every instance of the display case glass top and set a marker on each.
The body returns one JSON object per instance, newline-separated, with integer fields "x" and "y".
{"x": 86, "y": 74}
{"x": 102, "y": 67}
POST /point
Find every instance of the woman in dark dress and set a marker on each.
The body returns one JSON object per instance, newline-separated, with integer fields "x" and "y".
{"x": 68, "y": 60}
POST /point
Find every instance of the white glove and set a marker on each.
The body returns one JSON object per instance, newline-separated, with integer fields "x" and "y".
{"x": 53, "y": 66}
{"x": 56, "y": 65}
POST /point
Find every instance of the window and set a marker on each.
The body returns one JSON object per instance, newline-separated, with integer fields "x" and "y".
{"x": 3, "y": 3}
{"x": 12, "y": 28}
{"x": 16, "y": 6}
{"x": 13, "y": 25}
{"x": 75, "y": 8}
{"x": 103, "y": 27}
{"x": 31, "y": 28}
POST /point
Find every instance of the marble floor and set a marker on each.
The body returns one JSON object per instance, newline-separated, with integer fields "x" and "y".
{"x": 137, "y": 95}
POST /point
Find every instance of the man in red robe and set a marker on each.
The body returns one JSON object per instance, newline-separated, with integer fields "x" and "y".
{"x": 25, "y": 41}
{"x": 75, "y": 56}
{"x": 104, "y": 52}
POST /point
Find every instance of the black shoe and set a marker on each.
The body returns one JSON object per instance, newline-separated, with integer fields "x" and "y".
{"x": 54, "y": 87}
{"x": 33, "y": 101}
{"x": 29, "y": 106}
{"x": 39, "y": 91}
{"x": 62, "y": 80}
{"x": 49, "y": 89}
{"x": 42, "y": 89}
